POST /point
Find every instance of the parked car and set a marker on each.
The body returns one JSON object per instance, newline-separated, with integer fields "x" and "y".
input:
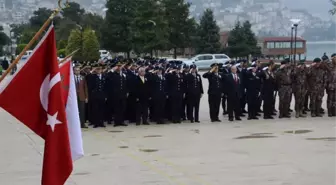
{"x": 203, "y": 61}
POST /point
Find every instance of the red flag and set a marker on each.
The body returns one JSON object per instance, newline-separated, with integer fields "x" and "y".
{"x": 34, "y": 97}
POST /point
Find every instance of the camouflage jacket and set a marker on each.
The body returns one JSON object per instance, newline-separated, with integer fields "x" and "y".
{"x": 300, "y": 79}
{"x": 284, "y": 76}
{"x": 316, "y": 78}
{"x": 331, "y": 76}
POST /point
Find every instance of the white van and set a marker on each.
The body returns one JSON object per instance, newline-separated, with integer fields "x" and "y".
{"x": 104, "y": 54}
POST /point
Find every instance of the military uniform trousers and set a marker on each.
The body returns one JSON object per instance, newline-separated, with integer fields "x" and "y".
{"x": 184, "y": 108}
{"x": 119, "y": 107}
{"x": 224, "y": 103}
{"x": 243, "y": 100}
{"x": 285, "y": 93}
{"x": 130, "y": 113}
{"x": 316, "y": 97}
{"x": 252, "y": 103}
{"x": 268, "y": 105}
{"x": 176, "y": 106}
{"x": 142, "y": 111}
{"x": 331, "y": 102}
{"x": 159, "y": 105}
{"x": 193, "y": 106}
{"x": 299, "y": 95}
{"x": 110, "y": 109}
{"x": 214, "y": 105}
{"x": 98, "y": 104}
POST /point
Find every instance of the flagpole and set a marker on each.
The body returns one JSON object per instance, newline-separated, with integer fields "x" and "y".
{"x": 32, "y": 41}
{"x": 67, "y": 57}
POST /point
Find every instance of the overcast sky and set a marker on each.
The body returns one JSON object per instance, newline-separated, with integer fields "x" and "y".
{"x": 316, "y": 7}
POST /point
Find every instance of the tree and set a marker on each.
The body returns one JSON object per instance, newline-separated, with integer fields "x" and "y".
{"x": 4, "y": 39}
{"x": 117, "y": 33}
{"x": 177, "y": 15}
{"x": 75, "y": 42}
{"x": 90, "y": 46}
{"x": 73, "y": 12}
{"x": 208, "y": 34}
{"x": 93, "y": 21}
{"x": 149, "y": 27}
{"x": 242, "y": 41}
{"x": 39, "y": 17}
{"x": 333, "y": 10}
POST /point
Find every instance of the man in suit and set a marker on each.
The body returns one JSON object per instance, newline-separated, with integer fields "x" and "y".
{"x": 215, "y": 91}
{"x": 82, "y": 95}
{"x": 233, "y": 90}
{"x": 142, "y": 96}
{"x": 194, "y": 92}
{"x": 98, "y": 97}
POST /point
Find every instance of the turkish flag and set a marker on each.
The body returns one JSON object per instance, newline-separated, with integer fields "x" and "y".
{"x": 71, "y": 109}
{"x": 34, "y": 96}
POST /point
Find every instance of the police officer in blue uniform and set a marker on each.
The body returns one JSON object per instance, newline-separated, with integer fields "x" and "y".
{"x": 176, "y": 93}
{"x": 159, "y": 95}
{"x": 98, "y": 95}
{"x": 194, "y": 92}
{"x": 215, "y": 91}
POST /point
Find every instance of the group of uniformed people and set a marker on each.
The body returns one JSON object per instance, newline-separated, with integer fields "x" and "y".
{"x": 138, "y": 92}
{"x": 159, "y": 91}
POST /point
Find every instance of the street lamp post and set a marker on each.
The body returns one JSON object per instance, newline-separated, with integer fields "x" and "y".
{"x": 291, "y": 44}
{"x": 295, "y": 24}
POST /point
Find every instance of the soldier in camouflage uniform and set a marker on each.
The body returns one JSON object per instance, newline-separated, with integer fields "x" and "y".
{"x": 300, "y": 87}
{"x": 284, "y": 82}
{"x": 316, "y": 83}
{"x": 331, "y": 86}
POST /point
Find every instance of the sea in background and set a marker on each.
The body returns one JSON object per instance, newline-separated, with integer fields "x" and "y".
{"x": 316, "y": 49}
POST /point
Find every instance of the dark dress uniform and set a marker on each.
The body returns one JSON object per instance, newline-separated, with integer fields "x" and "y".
{"x": 131, "y": 103}
{"x": 243, "y": 86}
{"x": 252, "y": 93}
{"x": 159, "y": 96}
{"x": 194, "y": 91}
{"x": 267, "y": 92}
{"x": 185, "y": 100}
{"x": 90, "y": 79}
{"x": 225, "y": 72}
{"x": 119, "y": 93}
{"x": 142, "y": 96}
{"x": 98, "y": 90}
{"x": 214, "y": 94}
{"x": 176, "y": 91}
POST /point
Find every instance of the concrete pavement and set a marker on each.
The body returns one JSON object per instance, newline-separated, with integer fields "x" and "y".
{"x": 287, "y": 152}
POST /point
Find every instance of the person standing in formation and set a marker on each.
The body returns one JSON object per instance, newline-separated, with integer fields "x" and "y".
{"x": 194, "y": 93}
{"x": 98, "y": 90}
{"x": 267, "y": 90}
{"x": 142, "y": 97}
{"x": 159, "y": 95}
{"x": 284, "y": 82}
{"x": 233, "y": 89}
{"x": 300, "y": 87}
{"x": 82, "y": 94}
{"x": 331, "y": 86}
{"x": 316, "y": 83}
{"x": 215, "y": 91}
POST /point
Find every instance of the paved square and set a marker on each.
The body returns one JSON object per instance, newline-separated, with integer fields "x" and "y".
{"x": 185, "y": 154}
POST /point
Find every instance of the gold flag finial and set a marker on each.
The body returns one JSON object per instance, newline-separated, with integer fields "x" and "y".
{"x": 66, "y": 4}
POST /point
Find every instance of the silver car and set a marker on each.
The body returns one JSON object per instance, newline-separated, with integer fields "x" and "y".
{"x": 203, "y": 61}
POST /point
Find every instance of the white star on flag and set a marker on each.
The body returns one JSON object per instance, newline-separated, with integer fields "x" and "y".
{"x": 52, "y": 121}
